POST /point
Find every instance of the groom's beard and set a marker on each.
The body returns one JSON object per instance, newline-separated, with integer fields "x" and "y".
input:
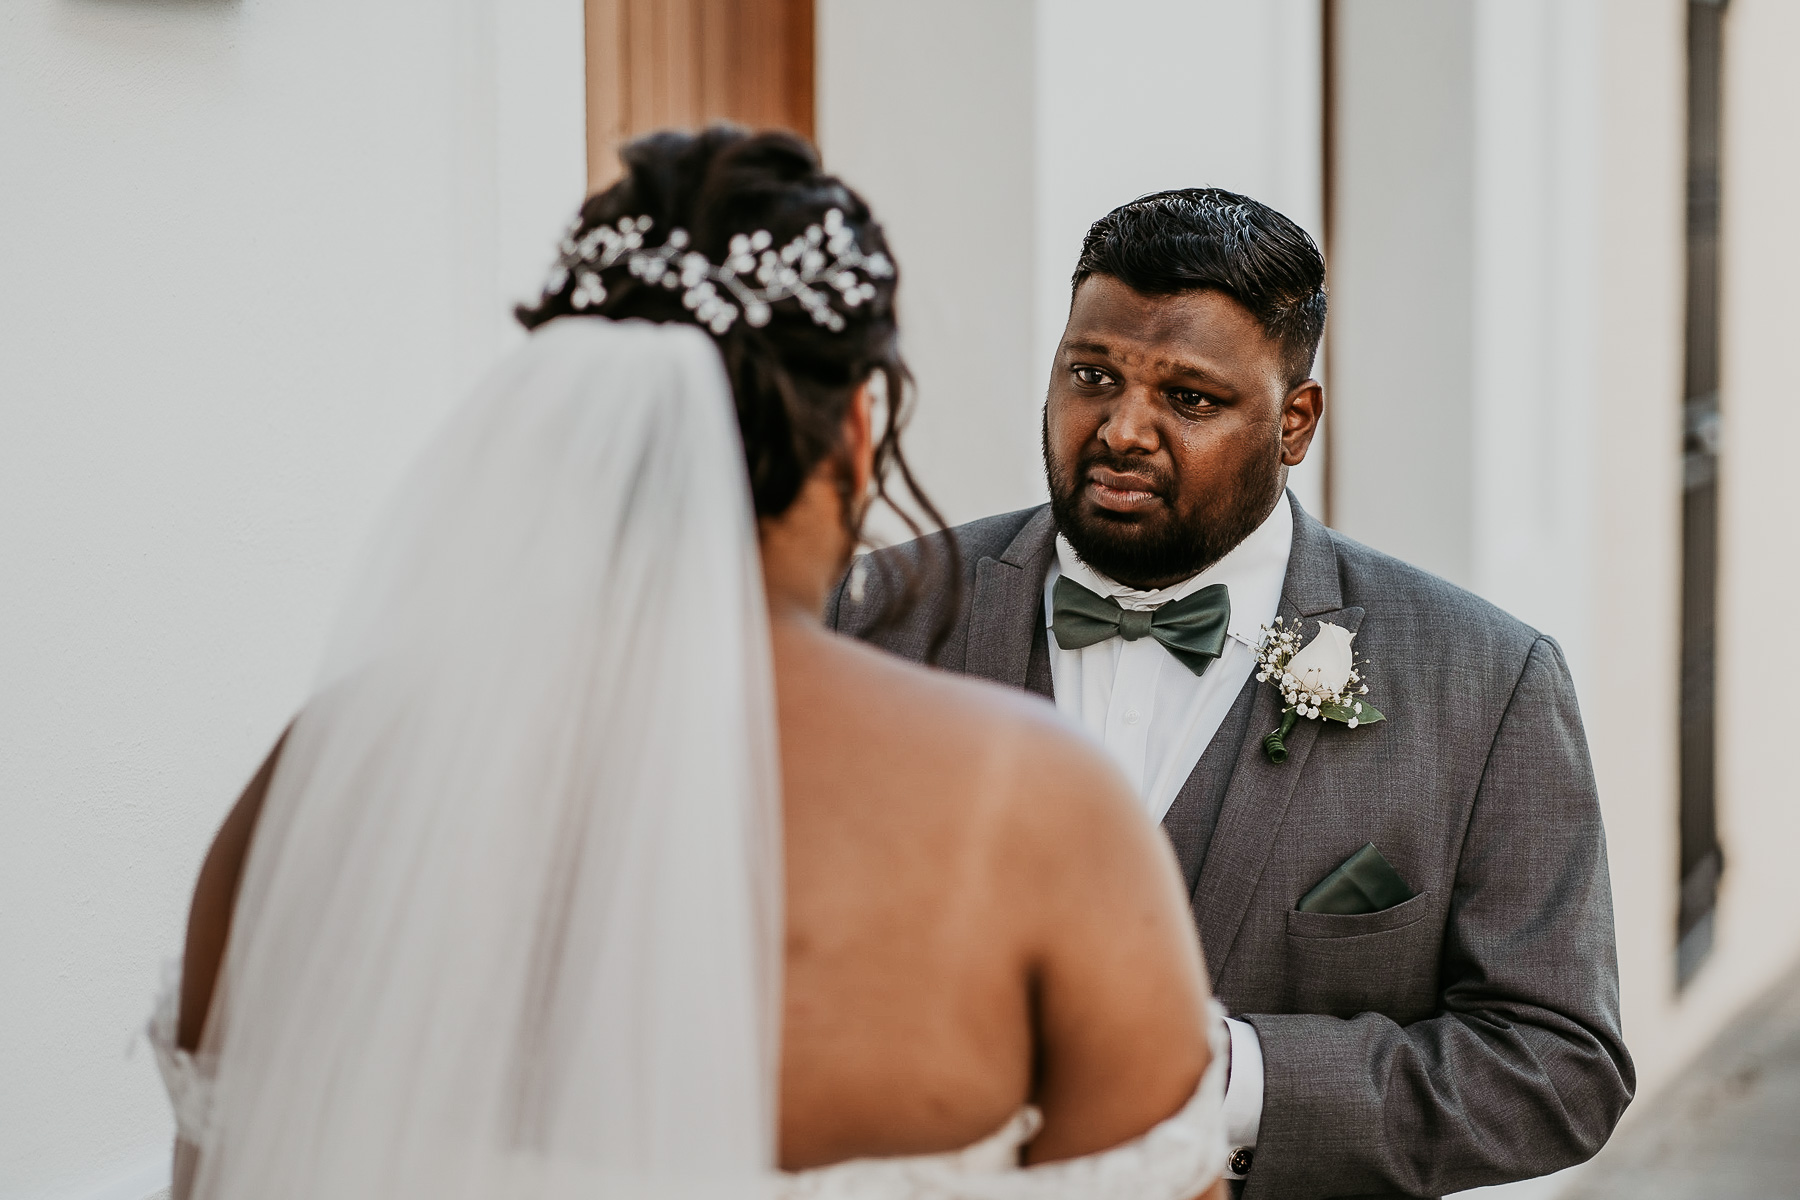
{"x": 1148, "y": 551}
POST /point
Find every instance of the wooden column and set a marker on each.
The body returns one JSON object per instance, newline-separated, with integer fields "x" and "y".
{"x": 656, "y": 64}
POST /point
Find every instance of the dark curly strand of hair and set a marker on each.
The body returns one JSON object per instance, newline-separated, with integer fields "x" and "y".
{"x": 792, "y": 380}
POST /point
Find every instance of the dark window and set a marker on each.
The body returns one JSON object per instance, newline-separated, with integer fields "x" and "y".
{"x": 1701, "y": 859}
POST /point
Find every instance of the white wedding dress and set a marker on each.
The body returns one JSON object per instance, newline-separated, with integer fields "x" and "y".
{"x": 1173, "y": 1161}
{"x": 511, "y": 922}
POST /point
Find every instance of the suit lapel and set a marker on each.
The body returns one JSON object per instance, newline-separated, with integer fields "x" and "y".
{"x": 1006, "y": 612}
{"x": 1260, "y": 791}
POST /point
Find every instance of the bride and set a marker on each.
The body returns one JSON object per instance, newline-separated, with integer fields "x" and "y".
{"x": 596, "y": 867}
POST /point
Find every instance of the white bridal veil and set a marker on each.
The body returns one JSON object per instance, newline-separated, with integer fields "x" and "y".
{"x": 511, "y": 921}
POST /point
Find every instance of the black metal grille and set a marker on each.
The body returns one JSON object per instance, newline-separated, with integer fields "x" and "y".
{"x": 1701, "y": 858}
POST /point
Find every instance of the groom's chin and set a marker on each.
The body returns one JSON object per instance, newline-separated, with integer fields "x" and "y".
{"x": 1127, "y": 532}
{"x": 1117, "y": 544}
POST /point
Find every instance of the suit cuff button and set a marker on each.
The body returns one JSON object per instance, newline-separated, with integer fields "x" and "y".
{"x": 1241, "y": 1160}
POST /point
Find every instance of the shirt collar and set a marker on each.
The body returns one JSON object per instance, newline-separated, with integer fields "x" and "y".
{"x": 1253, "y": 571}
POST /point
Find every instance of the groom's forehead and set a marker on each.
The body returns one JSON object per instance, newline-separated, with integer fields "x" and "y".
{"x": 1188, "y": 329}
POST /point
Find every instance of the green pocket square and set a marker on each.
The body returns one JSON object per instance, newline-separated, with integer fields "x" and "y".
{"x": 1365, "y": 883}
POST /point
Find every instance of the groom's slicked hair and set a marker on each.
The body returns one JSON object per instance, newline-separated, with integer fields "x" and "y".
{"x": 1208, "y": 238}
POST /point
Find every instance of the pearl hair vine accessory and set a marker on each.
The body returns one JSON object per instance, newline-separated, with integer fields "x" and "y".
{"x": 755, "y": 275}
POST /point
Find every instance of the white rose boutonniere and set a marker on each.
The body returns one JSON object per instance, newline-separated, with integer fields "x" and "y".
{"x": 1319, "y": 680}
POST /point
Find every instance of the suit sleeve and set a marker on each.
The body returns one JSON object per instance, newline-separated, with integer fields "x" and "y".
{"x": 1524, "y": 1070}
{"x": 834, "y": 604}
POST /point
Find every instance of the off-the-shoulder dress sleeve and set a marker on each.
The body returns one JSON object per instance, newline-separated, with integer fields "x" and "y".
{"x": 187, "y": 1077}
{"x": 1176, "y": 1160}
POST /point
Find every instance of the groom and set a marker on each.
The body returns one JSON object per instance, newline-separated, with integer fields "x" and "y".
{"x": 1410, "y": 918}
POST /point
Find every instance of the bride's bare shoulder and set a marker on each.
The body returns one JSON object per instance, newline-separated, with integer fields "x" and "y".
{"x": 1015, "y": 746}
{"x": 1060, "y": 830}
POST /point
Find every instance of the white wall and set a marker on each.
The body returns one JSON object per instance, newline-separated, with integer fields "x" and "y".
{"x": 1465, "y": 289}
{"x": 1758, "y": 926}
{"x": 1633, "y": 581}
{"x": 989, "y": 135}
{"x": 1633, "y": 452}
{"x": 1563, "y": 502}
{"x": 251, "y": 250}
{"x": 1538, "y": 210}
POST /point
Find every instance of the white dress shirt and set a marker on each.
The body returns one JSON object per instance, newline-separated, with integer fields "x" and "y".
{"x": 1156, "y": 717}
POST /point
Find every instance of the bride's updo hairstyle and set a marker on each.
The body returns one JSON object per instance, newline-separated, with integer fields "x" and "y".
{"x": 792, "y": 377}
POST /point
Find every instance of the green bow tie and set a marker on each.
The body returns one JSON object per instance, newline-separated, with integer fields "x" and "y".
{"x": 1192, "y": 629}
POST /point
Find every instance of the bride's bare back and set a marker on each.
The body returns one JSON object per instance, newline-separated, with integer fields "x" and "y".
{"x": 978, "y": 913}
{"x": 978, "y": 916}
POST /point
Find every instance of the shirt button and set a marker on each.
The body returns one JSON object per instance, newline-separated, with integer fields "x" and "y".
{"x": 1131, "y": 716}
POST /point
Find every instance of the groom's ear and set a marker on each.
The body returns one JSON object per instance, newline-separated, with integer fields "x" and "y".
{"x": 1301, "y": 410}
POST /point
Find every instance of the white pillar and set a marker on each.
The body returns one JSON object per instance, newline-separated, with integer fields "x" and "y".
{"x": 926, "y": 108}
{"x": 1535, "y": 308}
{"x": 1466, "y": 293}
{"x": 1401, "y": 278}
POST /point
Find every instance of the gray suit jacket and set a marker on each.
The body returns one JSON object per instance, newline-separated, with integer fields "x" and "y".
{"x": 1467, "y": 1036}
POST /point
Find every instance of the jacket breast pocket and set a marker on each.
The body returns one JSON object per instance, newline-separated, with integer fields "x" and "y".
{"x": 1384, "y": 962}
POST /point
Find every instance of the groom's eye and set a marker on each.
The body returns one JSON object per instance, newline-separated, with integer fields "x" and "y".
{"x": 1187, "y": 399}
{"x": 1091, "y": 376}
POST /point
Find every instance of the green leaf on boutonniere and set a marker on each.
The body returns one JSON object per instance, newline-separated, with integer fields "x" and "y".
{"x": 1275, "y": 745}
{"x": 1354, "y": 714}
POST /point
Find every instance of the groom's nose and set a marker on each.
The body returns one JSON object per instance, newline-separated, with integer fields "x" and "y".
{"x": 1130, "y": 426}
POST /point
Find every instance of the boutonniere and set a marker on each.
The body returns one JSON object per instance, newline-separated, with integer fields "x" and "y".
{"x": 1319, "y": 680}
